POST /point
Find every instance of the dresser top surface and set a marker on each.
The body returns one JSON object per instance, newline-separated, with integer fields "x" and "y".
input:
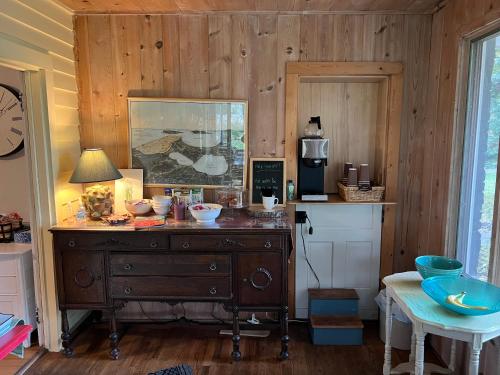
{"x": 13, "y": 248}
{"x": 235, "y": 222}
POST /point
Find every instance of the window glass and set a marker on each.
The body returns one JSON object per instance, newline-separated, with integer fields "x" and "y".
{"x": 480, "y": 163}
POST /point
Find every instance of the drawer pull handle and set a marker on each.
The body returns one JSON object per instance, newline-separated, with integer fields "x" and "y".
{"x": 154, "y": 244}
{"x": 127, "y": 267}
{"x": 266, "y": 273}
{"x": 268, "y": 244}
{"x": 227, "y": 242}
{"x": 71, "y": 243}
{"x": 127, "y": 290}
{"x": 213, "y": 290}
{"x": 213, "y": 266}
{"x": 185, "y": 245}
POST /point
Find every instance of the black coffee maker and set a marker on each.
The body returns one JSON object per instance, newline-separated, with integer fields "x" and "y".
{"x": 312, "y": 160}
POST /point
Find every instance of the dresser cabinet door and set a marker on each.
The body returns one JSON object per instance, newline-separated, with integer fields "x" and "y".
{"x": 83, "y": 277}
{"x": 259, "y": 279}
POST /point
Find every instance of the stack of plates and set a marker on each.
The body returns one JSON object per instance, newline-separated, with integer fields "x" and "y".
{"x": 433, "y": 265}
{"x": 161, "y": 204}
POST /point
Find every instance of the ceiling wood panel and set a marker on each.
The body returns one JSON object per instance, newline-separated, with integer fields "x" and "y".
{"x": 189, "y": 6}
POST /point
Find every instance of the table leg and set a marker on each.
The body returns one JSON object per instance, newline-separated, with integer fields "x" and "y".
{"x": 412, "y": 352}
{"x": 475, "y": 351}
{"x": 236, "y": 354}
{"x": 419, "y": 348}
{"x": 388, "y": 334}
{"x": 453, "y": 355}
{"x": 65, "y": 335}
{"x": 113, "y": 336}
{"x": 284, "y": 333}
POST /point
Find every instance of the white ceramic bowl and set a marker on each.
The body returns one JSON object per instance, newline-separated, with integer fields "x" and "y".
{"x": 162, "y": 199}
{"x": 163, "y": 210}
{"x": 208, "y": 215}
{"x": 138, "y": 206}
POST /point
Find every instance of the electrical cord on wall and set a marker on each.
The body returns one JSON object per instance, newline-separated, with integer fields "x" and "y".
{"x": 305, "y": 251}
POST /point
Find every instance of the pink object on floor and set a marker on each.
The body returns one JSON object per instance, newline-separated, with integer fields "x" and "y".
{"x": 13, "y": 339}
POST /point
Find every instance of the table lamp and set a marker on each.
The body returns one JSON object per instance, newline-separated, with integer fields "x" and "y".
{"x": 95, "y": 166}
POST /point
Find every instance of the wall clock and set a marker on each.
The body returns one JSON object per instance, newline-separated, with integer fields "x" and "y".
{"x": 11, "y": 121}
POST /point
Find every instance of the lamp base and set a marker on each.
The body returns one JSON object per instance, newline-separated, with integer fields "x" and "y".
{"x": 98, "y": 201}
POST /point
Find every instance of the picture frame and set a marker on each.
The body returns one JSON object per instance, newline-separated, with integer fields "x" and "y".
{"x": 272, "y": 178}
{"x": 181, "y": 142}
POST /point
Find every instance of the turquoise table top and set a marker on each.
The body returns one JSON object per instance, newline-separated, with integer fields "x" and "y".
{"x": 406, "y": 290}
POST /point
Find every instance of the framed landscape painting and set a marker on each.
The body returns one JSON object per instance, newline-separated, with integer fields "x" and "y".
{"x": 189, "y": 142}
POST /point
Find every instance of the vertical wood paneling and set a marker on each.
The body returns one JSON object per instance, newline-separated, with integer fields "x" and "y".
{"x": 171, "y": 58}
{"x": 288, "y": 50}
{"x": 262, "y": 96}
{"x": 193, "y": 46}
{"x": 151, "y": 48}
{"x": 219, "y": 56}
{"x": 84, "y": 82}
{"x": 102, "y": 99}
{"x": 243, "y": 57}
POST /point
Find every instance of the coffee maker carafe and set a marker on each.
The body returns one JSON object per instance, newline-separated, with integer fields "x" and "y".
{"x": 312, "y": 159}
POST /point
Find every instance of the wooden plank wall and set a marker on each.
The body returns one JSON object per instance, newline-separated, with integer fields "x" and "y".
{"x": 242, "y": 56}
{"x": 48, "y": 26}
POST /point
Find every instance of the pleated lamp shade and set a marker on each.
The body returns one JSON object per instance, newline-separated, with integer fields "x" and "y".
{"x": 94, "y": 166}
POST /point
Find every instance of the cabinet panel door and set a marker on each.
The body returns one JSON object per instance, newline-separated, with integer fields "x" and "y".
{"x": 259, "y": 279}
{"x": 83, "y": 277}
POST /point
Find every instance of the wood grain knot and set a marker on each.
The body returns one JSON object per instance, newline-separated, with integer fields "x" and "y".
{"x": 159, "y": 44}
{"x": 289, "y": 50}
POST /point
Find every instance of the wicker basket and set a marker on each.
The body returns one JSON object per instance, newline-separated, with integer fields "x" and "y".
{"x": 353, "y": 194}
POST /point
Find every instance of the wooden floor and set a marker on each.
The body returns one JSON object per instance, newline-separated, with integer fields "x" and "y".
{"x": 150, "y": 347}
{"x": 11, "y": 364}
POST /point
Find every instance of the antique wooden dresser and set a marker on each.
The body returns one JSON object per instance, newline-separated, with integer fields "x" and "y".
{"x": 241, "y": 263}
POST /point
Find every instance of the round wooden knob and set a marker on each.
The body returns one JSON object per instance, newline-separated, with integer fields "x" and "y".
{"x": 185, "y": 245}
{"x": 213, "y": 267}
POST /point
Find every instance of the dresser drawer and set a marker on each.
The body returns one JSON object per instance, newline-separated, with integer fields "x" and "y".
{"x": 111, "y": 241}
{"x": 8, "y": 267}
{"x": 226, "y": 242}
{"x": 151, "y": 264}
{"x": 171, "y": 287}
{"x": 8, "y": 285}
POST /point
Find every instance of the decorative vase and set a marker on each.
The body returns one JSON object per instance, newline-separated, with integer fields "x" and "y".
{"x": 98, "y": 201}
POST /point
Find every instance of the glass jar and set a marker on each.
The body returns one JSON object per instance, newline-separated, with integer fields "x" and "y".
{"x": 231, "y": 197}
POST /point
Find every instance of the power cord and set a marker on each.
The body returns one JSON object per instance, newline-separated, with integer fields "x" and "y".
{"x": 305, "y": 251}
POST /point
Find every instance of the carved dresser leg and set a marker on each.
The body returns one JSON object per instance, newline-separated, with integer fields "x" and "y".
{"x": 113, "y": 337}
{"x": 65, "y": 335}
{"x": 236, "y": 355}
{"x": 284, "y": 333}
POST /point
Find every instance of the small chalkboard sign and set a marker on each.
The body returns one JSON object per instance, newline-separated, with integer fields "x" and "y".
{"x": 267, "y": 173}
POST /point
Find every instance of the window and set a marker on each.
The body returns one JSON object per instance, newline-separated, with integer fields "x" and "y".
{"x": 478, "y": 197}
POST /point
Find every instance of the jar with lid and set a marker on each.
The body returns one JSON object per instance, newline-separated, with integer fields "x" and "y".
{"x": 231, "y": 197}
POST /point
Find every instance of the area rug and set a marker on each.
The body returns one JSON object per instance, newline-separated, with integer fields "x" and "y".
{"x": 177, "y": 370}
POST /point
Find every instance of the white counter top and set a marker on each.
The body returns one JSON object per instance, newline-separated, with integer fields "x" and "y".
{"x": 14, "y": 248}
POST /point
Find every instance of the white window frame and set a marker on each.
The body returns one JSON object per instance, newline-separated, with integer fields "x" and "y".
{"x": 462, "y": 115}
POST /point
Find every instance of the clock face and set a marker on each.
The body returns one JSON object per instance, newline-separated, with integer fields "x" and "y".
{"x": 11, "y": 122}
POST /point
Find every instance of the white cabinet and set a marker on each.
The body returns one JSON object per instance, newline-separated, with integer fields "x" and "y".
{"x": 344, "y": 251}
{"x": 17, "y": 290}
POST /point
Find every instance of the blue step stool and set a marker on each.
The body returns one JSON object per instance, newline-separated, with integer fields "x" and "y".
{"x": 333, "y": 315}
{"x": 338, "y": 302}
{"x": 336, "y": 330}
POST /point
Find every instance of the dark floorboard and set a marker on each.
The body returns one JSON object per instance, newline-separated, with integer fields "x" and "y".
{"x": 150, "y": 347}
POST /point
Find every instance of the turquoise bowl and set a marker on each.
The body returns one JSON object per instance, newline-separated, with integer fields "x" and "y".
{"x": 478, "y": 293}
{"x": 433, "y": 265}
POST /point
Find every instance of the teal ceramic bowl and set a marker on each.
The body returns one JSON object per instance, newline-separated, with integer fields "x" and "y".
{"x": 433, "y": 265}
{"x": 480, "y": 298}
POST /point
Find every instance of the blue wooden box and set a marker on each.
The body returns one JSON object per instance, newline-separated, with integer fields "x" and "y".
{"x": 327, "y": 330}
{"x": 338, "y": 302}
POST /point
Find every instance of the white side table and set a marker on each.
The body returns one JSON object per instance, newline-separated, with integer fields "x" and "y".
{"x": 428, "y": 316}
{"x": 17, "y": 289}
